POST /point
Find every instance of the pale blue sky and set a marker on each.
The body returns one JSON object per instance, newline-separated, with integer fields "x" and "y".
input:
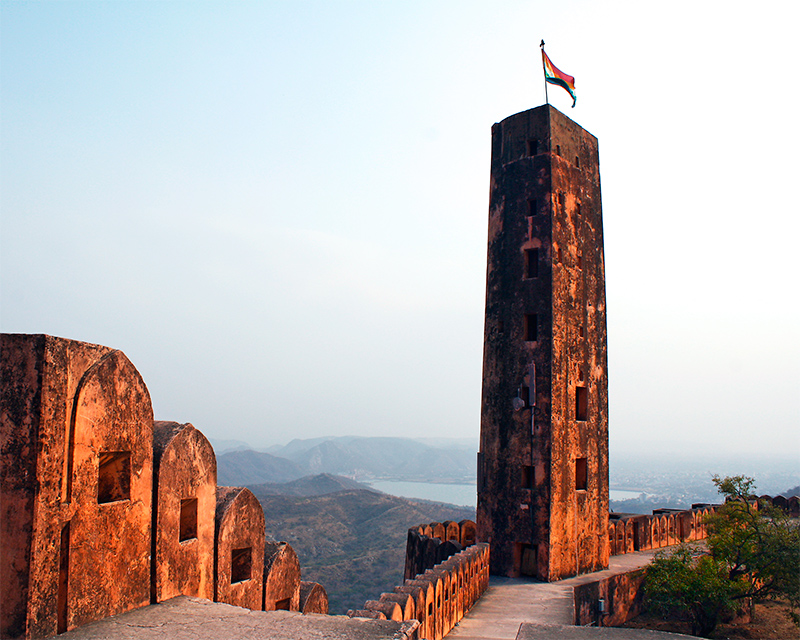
{"x": 278, "y": 210}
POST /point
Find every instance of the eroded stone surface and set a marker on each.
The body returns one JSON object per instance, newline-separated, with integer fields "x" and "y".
{"x": 543, "y": 462}
{"x": 239, "y": 548}
{"x": 185, "y": 483}
{"x": 281, "y": 577}
{"x": 76, "y": 470}
{"x": 313, "y": 598}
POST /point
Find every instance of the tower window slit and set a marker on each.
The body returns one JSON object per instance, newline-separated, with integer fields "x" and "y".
{"x": 581, "y": 403}
{"x": 531, "y": 327}
{"x": 581, "y": 475}
{"x": 527, "y": 477}
{"x": 531, "y": 263}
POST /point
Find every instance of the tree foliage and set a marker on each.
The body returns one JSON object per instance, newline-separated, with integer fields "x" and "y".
{"x": 690, "y": 585}
{"x": 753, "y": 554}
{"x": 758, "y": 544}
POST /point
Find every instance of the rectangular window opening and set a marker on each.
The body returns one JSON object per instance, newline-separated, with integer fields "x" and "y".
{"x": 531, "y": 327}
{"x": 501, "y": 326}
{"x": 581, "y": 403}
{"x": 531, "y": 263}
{"x": 114, "y": 476}
{"x": 283, "y": 605}
{"x": 527, "y": 477}
{"x": 241, "y": 564}
{"x": 525, "y": 394}
{"x": 577, "y": 161}
{"x": 558, "y": 149}
{"x": 532, "y": 207}
{"x": 580, "y": 261}
{"x": 188, "y": 526}
{"x": 533, "y": 147}
{"x": 580, "y": 331}
{"x": 581, "y": 475}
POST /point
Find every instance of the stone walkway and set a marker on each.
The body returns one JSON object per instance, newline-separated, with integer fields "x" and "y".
{"x": 509, "y": 609}
{"x": 545, "y": 610}
{"x": 184, "y": 618}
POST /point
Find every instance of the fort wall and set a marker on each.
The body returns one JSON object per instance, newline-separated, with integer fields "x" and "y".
{"x": 104, "y": 510}
{"x": 442, "y": 580}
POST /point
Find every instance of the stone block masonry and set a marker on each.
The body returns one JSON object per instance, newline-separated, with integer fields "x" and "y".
{"x": 281, "y": 578}
{"x": 543, "y": 460}
{"x": 76, "y": 459}
{"x": 185, "y": 502}
{"x": 104, "y": 510}
{"x": 239, "y": 548}
{"x": 447, "y": 583}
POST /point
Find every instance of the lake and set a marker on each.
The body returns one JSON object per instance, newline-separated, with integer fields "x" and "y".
{"x": 460, "y": 494}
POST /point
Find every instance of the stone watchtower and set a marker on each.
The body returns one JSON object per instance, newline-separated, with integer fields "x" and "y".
{"x": 543, "y": 460}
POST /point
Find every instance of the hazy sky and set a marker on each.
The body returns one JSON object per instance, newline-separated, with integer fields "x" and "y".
{"x": 278, "y": 210}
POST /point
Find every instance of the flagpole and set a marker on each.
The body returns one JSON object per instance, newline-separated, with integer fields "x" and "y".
{"x": 544, "y": 75}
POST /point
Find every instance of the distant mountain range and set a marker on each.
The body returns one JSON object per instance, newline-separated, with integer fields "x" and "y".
{"x": 354, "y": 457}
{"x": 349, "y": 537}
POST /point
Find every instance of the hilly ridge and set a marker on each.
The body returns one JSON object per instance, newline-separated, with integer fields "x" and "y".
{"x": 318, "y": 485}
{"x": 360, "y": 458}
{"x": 353, "y": 541}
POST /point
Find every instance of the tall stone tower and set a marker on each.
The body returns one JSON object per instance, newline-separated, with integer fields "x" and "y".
{"x": 543, "y": 460}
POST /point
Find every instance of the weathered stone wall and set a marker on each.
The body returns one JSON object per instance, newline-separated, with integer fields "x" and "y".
{"x": 543, "y": 460}
{"x": 239, "y": 548}
{"x": 665, "y": 527}
{"x": 104, "y": 510}
{"x": 76, "y": 472}
{"x": 430, "y": 544}
{"x": 439, "y": 596}
{"x": 621, "y": 595}
{"x": 184, "y": 501}
{"x": 281, "y": 578}
{"x": 313, "y": 598}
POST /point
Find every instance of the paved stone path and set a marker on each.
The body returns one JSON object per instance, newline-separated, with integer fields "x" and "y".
{"x": 534, "y": 610}
{"x": 184, "y": 618}
{"x": 509, "y": 603}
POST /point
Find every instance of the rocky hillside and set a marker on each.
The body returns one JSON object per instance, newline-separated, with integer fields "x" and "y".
{"x": 352, "y": 541}
{"x": 318, "y": 485}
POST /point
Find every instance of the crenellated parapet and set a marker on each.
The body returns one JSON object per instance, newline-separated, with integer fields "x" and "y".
{"x": 105, "y": 510}
{"x": 439, "y": 596}
{"x": 429, "y": 544}
{"x": 628, "y": 532}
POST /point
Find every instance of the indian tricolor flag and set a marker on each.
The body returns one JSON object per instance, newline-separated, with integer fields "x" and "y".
{"x": 554, "y": 76}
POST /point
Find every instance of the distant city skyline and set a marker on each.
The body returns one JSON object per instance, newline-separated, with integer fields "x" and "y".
{"x": 278, "y": 211}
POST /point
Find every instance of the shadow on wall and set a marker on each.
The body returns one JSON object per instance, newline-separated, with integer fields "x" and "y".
{"x": 105, "y": 510}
